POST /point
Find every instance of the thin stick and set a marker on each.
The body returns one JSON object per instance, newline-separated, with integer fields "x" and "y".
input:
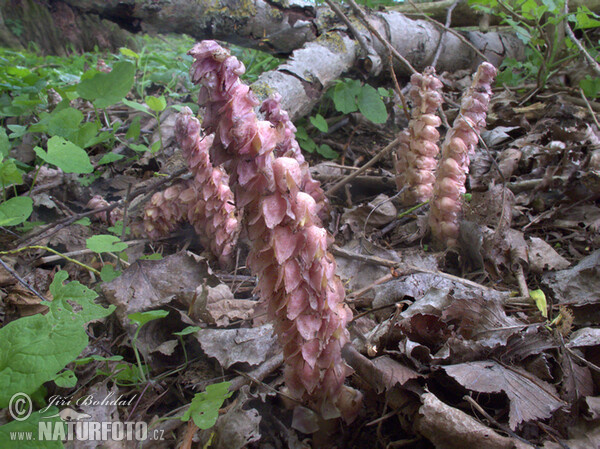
{"x": 372, "y": 162}
{"x": 21, "y": 280}
{"x": 451, "y": 31}
{"x": 53, "y": 251}
{"x": 359, "y": 12}
{"x": 359, "y": 37}
{"x": 438, "y": 51}
{"x": 589, "y": 107}
{"x": 590, "y": 59}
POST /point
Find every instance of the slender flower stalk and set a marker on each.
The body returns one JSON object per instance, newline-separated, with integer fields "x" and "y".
{"x": 296, "y": 273}
{"x": 416, "y": 155}
{"x": 205, "y": 201}
{"x": 446, "y": 206}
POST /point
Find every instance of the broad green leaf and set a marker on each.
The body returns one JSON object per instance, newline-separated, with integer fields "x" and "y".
{"x": 17, "y": 131}
{"x": 106, "y": 89}
{"x": 129, "y": 53}
{"x": 133, "y": 132}
{"x": 10, "y": 173}
{"x": 155, "y": 146}
{"x": 142, "y": 318}
{"x": 308, "y": 145}
{"x": 157, "y": 104}
{"x": 4, "y": 144}
{"x": 319, "y": 122}
{"x": 66, "y": 379}
{"x": 204, "y": 408}
{"x": 188, "y": 330}
{"x": 67, "y": 156}
{"x": 137, "y": 106}
{"x": 34, "y": 349}
{"x": 344, "y": 98}
{"x": 590, "y": 86}
{"x": 539, "y": 298}
{"x": 109, "y": 158}
{"x": 371, "y": 105}
{"x": 108, "y": 273}
{"x": 585, "y": 18}
{"x": 138, "y": 147}
{"x": 85, "y": 135}
{"x": 64, "y": 123}
{"x": 85, "y": 221}
{"x": 30, "y": 426}
{"x": 326, "y": 151}
{"x": 105, "y": 243}
{"x": 15, "y": 211}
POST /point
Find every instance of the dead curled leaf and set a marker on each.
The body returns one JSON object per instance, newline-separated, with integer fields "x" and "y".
{"x": 229, "y": 346}
{"x": 450, "y": 428}
{"x": 530, "y": 398}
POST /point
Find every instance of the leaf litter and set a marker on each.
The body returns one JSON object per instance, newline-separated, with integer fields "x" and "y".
{"x": 435, "y": 327}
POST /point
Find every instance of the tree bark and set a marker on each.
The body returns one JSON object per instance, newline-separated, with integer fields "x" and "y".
{"x": 464, "y": 15}
{"x": 322, "y": 48}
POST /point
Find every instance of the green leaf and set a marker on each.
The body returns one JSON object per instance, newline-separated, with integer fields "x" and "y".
{"x": 85, "y": 135}
{"x": 34, "y": 349}
{"x": 31, "y": 426}
{"x": 371, "y": 105}
{"x": 139, "y": 148}
{"x": 108, "y": 273}
{"x": 155, "y": 146}
{"x": 10, "y": 173}
{"x": 105, "y": 243}
{"x": 319, "y": 122}
{"x": 188, "y": 330}
{"x": 204, "y": 408}
{"x": 97, "y": 358}
{"x": 106, "y": 89}
{"x": 153, "y": 256}
{"x": 64, "y": 123}
{"x": 157, "y": 104}
{"x": 133, "y": 132}
{"x": 66, "y": 379}
{"x": 4, "y": 144}
{"x": 326, "y": 151}
{"x": 17, "y": 131}
{"x": 15, "y": 210}
{"x": 539, "y": 298}
{"x": 344, "y": 97}
{"x": 109, "y": 158}
{"x": 129, "y": 53}
{"x": 142, "y": 318}
{"x": 67, "y": 156}
{"x": 590, "y": 86}
{"x": 585, "y": 18}
{"x": 137, "y": 106}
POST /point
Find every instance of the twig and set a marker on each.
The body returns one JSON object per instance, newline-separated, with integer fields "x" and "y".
{"x": 58, "y": 225}
{"x": 372, "y": 162}
{"x": 521, "y": 280}
{"x": 438, "y": 51}
{"x": 471, "y": 401}
{"x": 21, "y": 280}
{"x": 336, "y": 250}
{"x": 450, "y": 30}
{"x": 591, "y": 61}
{"x": 359, "y": 12}
{"x": 359, "y": 37}
{"x": 53, "y": 251}
{"x": 589, "y": 107}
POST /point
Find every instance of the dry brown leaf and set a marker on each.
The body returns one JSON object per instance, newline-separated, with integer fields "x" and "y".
{"x": 530, "y": 398}
{"x": 579, "y": 285}
{"x": 449, "y": 428}
{"x": 150, "y": 284}
{"x": 229, "y": 346}
{"x": 542, "y": 257}
{"x": 392, "y": 372}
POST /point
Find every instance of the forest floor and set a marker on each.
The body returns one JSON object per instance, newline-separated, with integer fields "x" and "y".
{"x": 495, "y": 344}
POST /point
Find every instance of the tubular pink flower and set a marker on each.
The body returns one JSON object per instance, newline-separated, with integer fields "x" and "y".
{"x": 460, "y": 141}
{"x": 164, "y": 212}
{"x": 296, "y": 274}
{"x": 415, "y": 161}
{"x": 208, "y": 199}
{"x": 289, "y": 147}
